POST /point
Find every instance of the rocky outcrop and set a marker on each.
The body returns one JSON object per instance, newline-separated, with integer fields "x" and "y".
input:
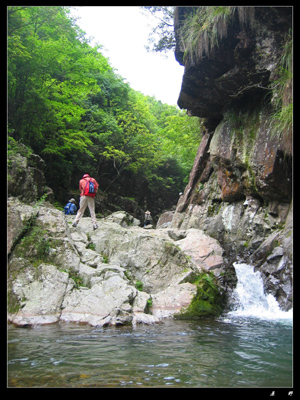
{"x": 241, "y": 63}
{"x": 117, "y": 274}
{"x": 19, "y": 217}
{"x": 250, "y": 232}
{"x": 111, "y": 203}
{"x": 165, "y": 219}
{"x": 26, "y": 178}
{"x": 240, "y": 187}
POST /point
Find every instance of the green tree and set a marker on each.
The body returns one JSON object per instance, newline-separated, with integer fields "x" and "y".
{"x": 50, "y": 72}
{"x": 67, "y": 104}
{"x": 162, "y": 37}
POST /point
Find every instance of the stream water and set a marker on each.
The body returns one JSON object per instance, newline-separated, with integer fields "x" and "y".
{"x": 250, "y": 347}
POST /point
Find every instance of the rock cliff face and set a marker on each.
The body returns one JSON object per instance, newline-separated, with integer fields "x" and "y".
{"x": 240, "y": 187}
{"x": 242, "y": 62}
{"x": 26, "y": 178}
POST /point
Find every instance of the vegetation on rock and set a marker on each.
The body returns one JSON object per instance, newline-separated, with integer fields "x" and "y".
{"x": 206, "y": 26}
{"x": 209, "y": 300}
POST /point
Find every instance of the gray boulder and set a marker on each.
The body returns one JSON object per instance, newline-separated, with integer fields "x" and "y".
{"x": 117, "y": 274}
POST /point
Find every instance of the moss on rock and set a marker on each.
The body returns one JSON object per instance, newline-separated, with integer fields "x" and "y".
{"x": 208, "y": 301}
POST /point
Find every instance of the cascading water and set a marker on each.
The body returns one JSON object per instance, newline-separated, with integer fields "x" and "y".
{"x": 249, "y": 299}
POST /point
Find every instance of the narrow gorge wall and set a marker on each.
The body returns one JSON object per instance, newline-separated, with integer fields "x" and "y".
{"x": 240, "y": 187}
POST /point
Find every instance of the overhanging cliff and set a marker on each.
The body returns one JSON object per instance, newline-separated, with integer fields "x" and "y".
{"x": 242, "y": 62}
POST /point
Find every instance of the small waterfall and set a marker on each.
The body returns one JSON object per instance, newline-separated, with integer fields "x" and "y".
{"x": 249, "y": 298}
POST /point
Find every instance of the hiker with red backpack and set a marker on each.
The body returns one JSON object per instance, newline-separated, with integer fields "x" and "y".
{"x": 88, "y": 187}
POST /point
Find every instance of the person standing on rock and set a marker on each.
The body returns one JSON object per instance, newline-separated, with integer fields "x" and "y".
{"x": 147, "y": 218}
{"x": 88, "y": 187}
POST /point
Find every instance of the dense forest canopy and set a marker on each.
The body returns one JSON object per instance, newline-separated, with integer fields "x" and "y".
{"x": 67, "y": 104}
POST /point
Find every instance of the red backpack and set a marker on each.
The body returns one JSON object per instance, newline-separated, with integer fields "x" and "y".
{"x": 89, "y": 189}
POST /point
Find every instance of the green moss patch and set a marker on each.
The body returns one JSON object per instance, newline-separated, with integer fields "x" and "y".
{"x": 209, "y": 300}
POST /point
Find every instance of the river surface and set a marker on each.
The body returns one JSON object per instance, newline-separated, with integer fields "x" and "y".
{"x": 233, "y": 352}
{"x": 238, "y": 350}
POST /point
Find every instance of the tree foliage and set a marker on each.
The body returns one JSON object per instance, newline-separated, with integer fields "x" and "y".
{"x": 68, "y": 105}
{"x": 162, "y": 38}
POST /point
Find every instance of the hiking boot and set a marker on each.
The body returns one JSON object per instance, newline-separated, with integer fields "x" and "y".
{"x": 74, "y": 225}
{"x": 95, "y": 227}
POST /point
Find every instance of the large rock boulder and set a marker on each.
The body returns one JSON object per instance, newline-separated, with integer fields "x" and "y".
{"x": 165, "y": 219}
{"x": 204, "y": 250}
{"x": 41, "y": 292}
{"x": 108, "y": 300}
{"x": 116, "y": 274}
{"x": 19, "y": 217}
{"x": 26, "y": 178}
{"x": 169, "y": 302}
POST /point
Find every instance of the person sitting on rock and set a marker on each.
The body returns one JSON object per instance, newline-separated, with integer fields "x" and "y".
{"x": 70, "y": 208}
{"x": 88, "y": 187}
{"x": 147, "y": 218}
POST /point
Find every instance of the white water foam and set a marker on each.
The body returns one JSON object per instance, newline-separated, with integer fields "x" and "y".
{"x": 250, "y": 300}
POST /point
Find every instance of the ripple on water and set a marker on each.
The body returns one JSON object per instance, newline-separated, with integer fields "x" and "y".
{"x": 210, "y": 353}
